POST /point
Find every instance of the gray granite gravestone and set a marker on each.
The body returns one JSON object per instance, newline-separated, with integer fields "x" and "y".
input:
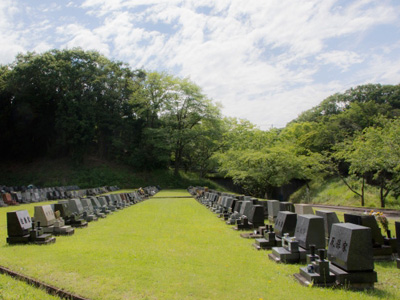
{"x": 89, "y": 209}
{"x": 273, "y": 209}
{"x": 71, "y": 218}
{"x": 303, "y": 209}
{"x": 44, "y": 215}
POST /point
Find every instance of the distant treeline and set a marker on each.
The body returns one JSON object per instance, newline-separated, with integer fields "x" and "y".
{"x": 74, "y": 103}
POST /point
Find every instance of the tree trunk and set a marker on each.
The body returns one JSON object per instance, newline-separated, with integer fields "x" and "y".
{"x": 362, "y": 192}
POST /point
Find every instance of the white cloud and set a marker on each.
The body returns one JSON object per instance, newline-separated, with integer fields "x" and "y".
{"x": 342, "y": 59}
{"x": 76, "y": 35}
{"x": 263, "y": 60}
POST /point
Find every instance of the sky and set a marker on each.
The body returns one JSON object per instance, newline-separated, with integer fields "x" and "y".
{"x": 263, "y": 60}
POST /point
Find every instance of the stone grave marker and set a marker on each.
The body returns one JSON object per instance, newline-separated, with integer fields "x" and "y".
{"x": 286, "y": 206}
{"x": 273, "y": 209}
{"x": 309, "y": 230}
{"x": 330, "y": 218}
{"x": 285, "y": 223}
{"x": 303, "y": 209}
{"x": 380, "y": 250}
{"x": 44, "y": 215}
{"x": 21, "y": 230}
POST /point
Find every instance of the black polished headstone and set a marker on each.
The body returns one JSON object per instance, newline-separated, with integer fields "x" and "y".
{"x": 310, "y": 230}
{"x": 330, "y": 218}
{"x": 350, "y": 247}
{"x": 285, "y": 223}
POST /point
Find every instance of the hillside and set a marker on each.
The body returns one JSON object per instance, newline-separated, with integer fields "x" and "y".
{"x": 92, "y": 172}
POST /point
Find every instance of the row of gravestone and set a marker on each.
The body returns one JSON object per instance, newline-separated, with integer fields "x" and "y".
{"x": 51, "y": 193}
{"x": 296, "y": 237}
{"x": 9, "y": 189}
{"x": 61, "y": 218}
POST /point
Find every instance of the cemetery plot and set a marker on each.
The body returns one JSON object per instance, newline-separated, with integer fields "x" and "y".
{"x": 351, "y": 260}
{"x": 309, "y": 231}
{"x": 21, "y": 230}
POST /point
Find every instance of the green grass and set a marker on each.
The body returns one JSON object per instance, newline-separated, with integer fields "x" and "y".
{"x": 169, "y": 248}
{"x": 12, "y": 289}
{"x": 334, "y": 192}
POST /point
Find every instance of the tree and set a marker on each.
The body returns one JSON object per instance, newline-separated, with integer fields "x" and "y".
{"x": 375, "y": 154}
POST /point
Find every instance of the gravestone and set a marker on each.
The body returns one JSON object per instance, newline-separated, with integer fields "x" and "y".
{"x": 106, "y": 200}
{"x": 44, "y": 215}
{"x": 351, "y": 260}
{"x": 273, "y": 209}
{"x": 89, "y": 210}
{"x": 303, "y": 209}
{"x": 286, "y": 206}
{"x": 330, "y": 218}
{"x": 397, "y": 227}
{"x": 100, "y": 205}
{"x": 256, "y": 216}
{"x": 71, "y": 218}
{"x": 309, "y": 230}
{"x": 236, "y": 213}
{"x": 21, "y": 230}
{"x": 285, "y": 223}
{"x": 380, "y": 250}
{"x": 351, "y": 255}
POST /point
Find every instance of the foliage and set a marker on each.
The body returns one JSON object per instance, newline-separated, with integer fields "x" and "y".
{"x": 75, "y": 103}
{"x": 375, "y": 153}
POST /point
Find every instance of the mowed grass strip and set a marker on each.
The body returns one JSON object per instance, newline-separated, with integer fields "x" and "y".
{"x": 168, "y": 248}
{"x": 13, "y": 289}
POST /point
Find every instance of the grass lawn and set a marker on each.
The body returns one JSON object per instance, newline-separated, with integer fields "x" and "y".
{"x": 169, "y": 248}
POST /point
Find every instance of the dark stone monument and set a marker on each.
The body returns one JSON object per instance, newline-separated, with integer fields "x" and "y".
{"x": 286, "y": 206}
{"x": 351, "y": 260}
{"x": 70, "y": 218}
{"x": 21, "y": 230}
{"x": 235, "y": 214}
{"x": 309, "y": 231}
{"x": 285, "y": 223}
{"x": 330, "y": 218}
{"x": 380, "y": 250}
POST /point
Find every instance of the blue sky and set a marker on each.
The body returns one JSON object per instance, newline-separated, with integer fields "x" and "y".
{"x": 265, "y": 61}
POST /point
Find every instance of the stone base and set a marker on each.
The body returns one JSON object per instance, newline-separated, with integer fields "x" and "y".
{"x": 281, "y": 255}
{"x": 264, "y": 244}
{"x": 90, "y": 218}
{"x": 251, "y": 235}
{"x": 314, "y": 279}
{"x": 354, "y": 280}
{"x": 27, "y": 239}
{"x": 79, "y": 224}
{"x": 383, "y": 253}
{"x": 64, "y": 230}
